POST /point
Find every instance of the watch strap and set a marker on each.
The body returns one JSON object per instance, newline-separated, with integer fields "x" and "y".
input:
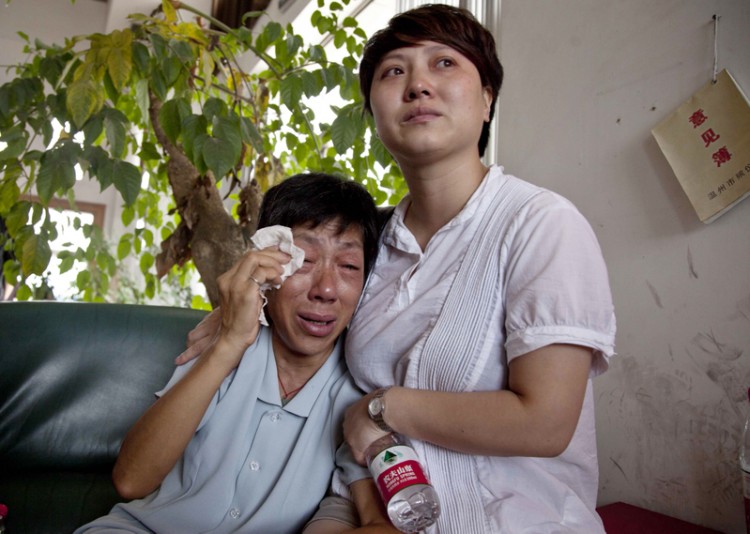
{"x": 377, "y": 417}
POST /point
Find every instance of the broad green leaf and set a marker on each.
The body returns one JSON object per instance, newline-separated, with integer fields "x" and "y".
{"x": 170, "y": 13}
{"x": 15, "y": 139}
{"x": 114, "y": 127}
{"x": 141, "y": 57}
{"x": 199, "y": 303}
{"x": 182, "y": 49}
{"x": 291, "y": 90}
{"x": 24, "y": 293}
{"x": 102, "y": 261}
{"x": 83, "y": 280}
{"x": 193, "y": 127}
{"x": 382, "y": 156}
{"x": 141, "y": 99}
{"x": 93, "y": 128}
{"x": 158, "y": 84}
{"x": 36, "y": 213}
{"x": 250, "y": 134}
{"x": 159, "y": 44}
{"x": 207, "y": 67}
{"x": 147, "y": 236}
{"x": 214, "y": 107}
{"x": 331, "y": 76}
{"x": 150, "y": 287}
{"x": 84, "y": 98}
{"x": 312, "y": 84}
{"x": 119, "y": 59}
{"x": 11, "y": 270}
{"x": 100, "y": 165}
{"x": 18, "y": 217}
{"x": 57, "y": 170}
{"x": 90, "y": 253}
{"x": 170, "y": 119}
{"x": 344, "y": 131}
{"x": 66, "y": 262}
{"x": 9, "y": 194}
{"x": 228, "y": 130}
{"x": 146, "y": 262}
{"x": 105, "y": 173}
{"x": 36, "y": 255}
{"x": 171, "y": 67}
{"x": 127, "y": 180}
{"x": 149, "y": 152}
{"x": 128, "y": 215}
{"x": 218, "y": 156}
{"x": 270, "y": 33}
{"x": 317, "y": 54}
{"x": 339, "y": 38}
{"x": 51, "y": 68}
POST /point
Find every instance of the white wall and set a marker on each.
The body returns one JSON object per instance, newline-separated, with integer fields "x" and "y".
{"x": 586, "y": 80}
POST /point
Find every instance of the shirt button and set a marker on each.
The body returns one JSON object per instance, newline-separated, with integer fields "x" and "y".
{"x": 234, "y": 513}
{"x": 254, "y": 465}
{"x": 275, "y": 417}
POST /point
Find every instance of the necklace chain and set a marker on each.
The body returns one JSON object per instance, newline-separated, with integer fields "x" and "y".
{"x": 288, "y": 394}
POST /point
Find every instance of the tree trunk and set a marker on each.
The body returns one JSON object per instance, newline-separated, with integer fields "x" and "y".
{"x": 207, "y": 233}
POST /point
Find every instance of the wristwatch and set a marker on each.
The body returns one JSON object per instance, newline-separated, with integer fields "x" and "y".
{"x": 376, "y": 410}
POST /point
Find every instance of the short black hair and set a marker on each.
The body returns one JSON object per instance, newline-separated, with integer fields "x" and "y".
{"x": 452, "y": 26}
{"x": 317, "y": 198}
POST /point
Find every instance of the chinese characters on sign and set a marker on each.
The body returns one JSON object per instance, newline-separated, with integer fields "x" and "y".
{"x": 707, "y": 143}
{"x": 720, "y": 156}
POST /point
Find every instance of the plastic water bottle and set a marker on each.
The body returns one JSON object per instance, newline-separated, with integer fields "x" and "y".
{"x": 745, "y": 465}
{"x": 411, "y": 501}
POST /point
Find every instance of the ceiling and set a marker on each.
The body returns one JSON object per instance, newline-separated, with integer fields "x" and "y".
{"x": 228, "y": 11}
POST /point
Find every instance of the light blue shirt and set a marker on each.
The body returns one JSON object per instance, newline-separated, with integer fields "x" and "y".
{"x": 253, "y": 464}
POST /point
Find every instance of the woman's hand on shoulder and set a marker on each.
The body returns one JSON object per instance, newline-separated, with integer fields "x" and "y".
{"x": 201, "y": 337}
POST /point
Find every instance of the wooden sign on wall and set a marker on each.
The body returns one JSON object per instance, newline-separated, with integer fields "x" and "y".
{"x": 707, "y": 143}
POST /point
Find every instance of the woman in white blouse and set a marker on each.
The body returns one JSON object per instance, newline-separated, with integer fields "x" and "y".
{"x": 488, "y": 309}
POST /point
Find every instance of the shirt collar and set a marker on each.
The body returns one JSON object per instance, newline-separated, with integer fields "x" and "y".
{"x": 301, "y": 404}
{"x": 397, "y": 235}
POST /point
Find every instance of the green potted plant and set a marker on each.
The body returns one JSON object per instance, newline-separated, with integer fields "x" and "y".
{"x": 166, "y": 112}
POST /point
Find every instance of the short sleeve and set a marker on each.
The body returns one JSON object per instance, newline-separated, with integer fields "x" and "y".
{"x": 349, "y": 470}
{"x": 180, "y": 372}
{"x": 556, "y": 284}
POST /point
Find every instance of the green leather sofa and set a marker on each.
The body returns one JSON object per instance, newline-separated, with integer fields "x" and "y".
{"x": 73, "y": 378}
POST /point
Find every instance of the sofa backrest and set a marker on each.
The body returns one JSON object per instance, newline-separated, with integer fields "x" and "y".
{"x": 74, "y": 377}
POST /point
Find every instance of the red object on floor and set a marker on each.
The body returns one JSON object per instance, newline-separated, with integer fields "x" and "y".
{"x": 622, "y": 518}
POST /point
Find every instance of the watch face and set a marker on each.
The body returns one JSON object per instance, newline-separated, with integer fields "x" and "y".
{"x": 375, "y": 407}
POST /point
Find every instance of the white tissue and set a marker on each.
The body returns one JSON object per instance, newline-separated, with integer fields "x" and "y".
{"x": 281, "y": 237}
